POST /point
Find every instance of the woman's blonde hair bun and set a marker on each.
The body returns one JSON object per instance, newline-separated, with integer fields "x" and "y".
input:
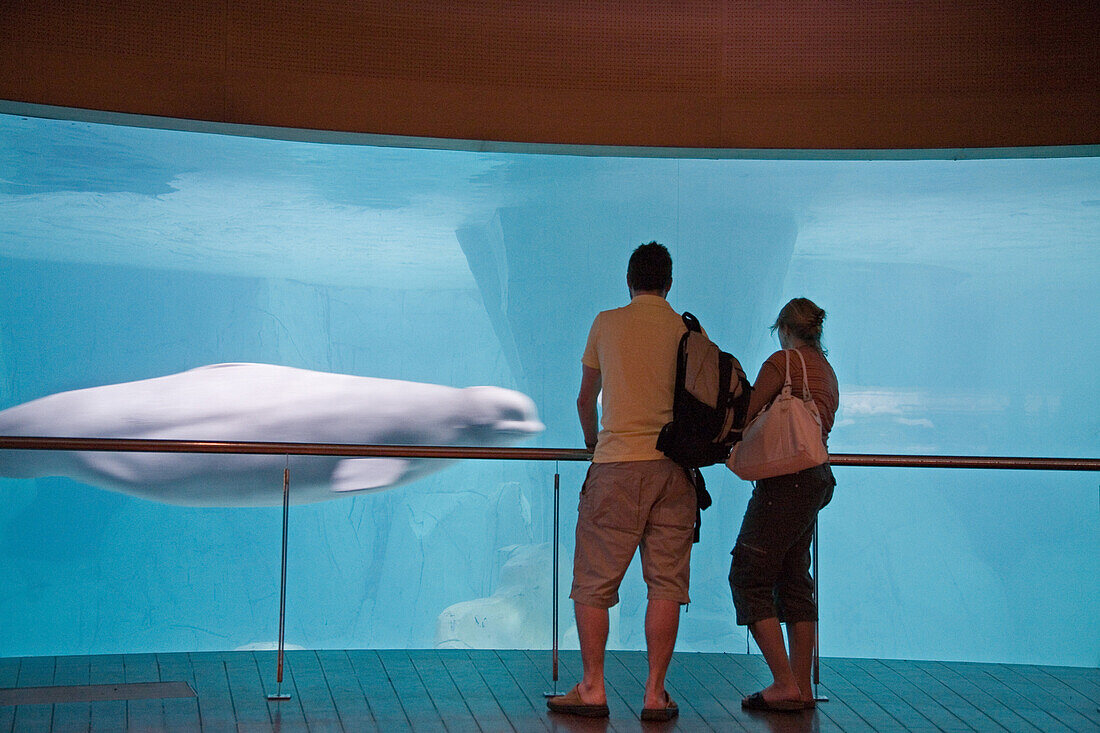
{"x": 802, "y": 318}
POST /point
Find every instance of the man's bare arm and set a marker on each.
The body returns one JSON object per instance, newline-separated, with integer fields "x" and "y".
{"x": 591, "y": 383}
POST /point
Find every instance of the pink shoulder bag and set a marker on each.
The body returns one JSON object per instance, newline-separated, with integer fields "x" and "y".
{"x": 784, "y": 438}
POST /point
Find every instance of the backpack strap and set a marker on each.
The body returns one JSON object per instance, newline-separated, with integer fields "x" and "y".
{"x": 702, "y": 497}
{"x": 725, "y": 373}
{"x": 692, "y": 324}
{"x": 681, "y": 371}
{"x": 695, "y": 476}
{"x": 740, "y": 404}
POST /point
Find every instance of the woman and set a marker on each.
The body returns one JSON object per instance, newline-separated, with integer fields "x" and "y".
{"x": 770, "y": 574}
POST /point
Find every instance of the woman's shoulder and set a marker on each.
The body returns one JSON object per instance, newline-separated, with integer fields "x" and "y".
{"x": 779, "y": 358}
{"x": 776, "y": 362}
{"x": 819, "y": 367}
{"x": 809, "y": 354}
{"x": 820, "y": 358}
{"x": 814, "y": 359}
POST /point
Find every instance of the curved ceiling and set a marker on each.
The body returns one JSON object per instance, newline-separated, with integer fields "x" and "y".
{"x": 844, "y": 74}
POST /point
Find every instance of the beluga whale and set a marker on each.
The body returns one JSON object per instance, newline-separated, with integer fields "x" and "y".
{"x": 263, "y": 403}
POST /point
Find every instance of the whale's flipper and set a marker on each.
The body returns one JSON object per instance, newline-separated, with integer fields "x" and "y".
{"x": 365, "y": 474}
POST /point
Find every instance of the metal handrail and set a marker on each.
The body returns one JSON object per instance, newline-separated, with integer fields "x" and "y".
{"x": 457, "y": 452}
{"x": 142, "y": 445}
{"x": 914, "y": 461}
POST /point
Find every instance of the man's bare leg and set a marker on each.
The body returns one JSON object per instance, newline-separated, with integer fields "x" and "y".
{"x": 592, "y": 625}
{"x": 662, "y": 621}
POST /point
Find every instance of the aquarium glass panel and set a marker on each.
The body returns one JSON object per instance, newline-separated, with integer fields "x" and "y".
{"x": 353, "y": 292}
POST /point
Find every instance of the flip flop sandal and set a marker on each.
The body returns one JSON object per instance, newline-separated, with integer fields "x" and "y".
{"x": 756, "y": 701}
{"x": 668, "y": 712}
{"x": 572, "y": 704}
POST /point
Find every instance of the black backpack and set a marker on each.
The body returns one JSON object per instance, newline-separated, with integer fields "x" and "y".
{"x": 710, "y": 402}
{"x": 709, "y": 407}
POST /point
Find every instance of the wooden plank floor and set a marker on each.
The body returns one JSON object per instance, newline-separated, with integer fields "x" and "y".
{"x": 458, "y": 691}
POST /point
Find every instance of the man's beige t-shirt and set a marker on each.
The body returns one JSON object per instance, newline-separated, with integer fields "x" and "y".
{"x": 634, "y": 348}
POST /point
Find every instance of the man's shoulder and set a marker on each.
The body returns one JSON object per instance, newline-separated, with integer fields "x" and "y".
{"x": 612, "y": 315}
{"x": 619, "y": 310}
{"x": 644, "y": 307}
{"x": 645, "y": 316}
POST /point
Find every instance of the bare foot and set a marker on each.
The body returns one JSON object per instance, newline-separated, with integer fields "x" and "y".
{"x": 591, "y": 695}
{"x": 777, "y": 693}
{"x": 659, "y": 700}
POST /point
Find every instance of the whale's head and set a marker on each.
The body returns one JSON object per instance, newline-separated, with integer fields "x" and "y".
{"x": 498, "y": 416}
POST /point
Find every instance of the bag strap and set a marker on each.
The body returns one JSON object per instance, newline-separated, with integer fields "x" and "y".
{"x": 725, "y": 374}
{"x": 806, "y": 396}
{"x": 692, "y": 324}
{"x": 681, "y": 373}
{"x": 787, "y": 370}
{"x": 741, "y": 403}
{"x": 702, "y": 497}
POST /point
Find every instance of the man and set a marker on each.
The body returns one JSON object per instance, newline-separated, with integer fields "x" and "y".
{"x": 633, "y": 497}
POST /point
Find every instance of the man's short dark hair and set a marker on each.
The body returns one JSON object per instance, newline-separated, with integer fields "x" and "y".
{"x": 650, "y": 268}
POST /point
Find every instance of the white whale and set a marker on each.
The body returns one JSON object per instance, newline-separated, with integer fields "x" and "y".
{"x": 259, "y": 402}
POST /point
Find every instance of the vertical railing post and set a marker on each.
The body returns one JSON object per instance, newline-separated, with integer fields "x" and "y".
{"x": 554, "y": 652}
{"x": 279, "y": 694}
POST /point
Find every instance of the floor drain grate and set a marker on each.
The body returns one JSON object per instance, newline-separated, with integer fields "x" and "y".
{"x": 93, "y": 693}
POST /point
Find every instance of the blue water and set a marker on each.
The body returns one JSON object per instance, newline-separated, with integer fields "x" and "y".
{"x": 961, "y": 300}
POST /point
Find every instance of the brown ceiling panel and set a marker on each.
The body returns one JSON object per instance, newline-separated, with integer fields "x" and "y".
{"x": 707, "y": 74}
